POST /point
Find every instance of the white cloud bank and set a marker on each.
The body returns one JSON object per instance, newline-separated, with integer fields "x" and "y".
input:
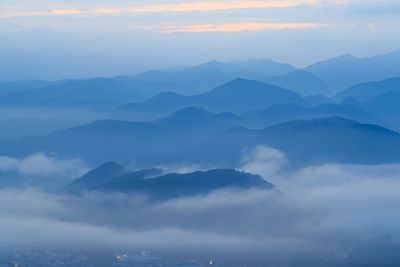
{"x": 333, "y": 213}
{"x": 42, "y": 165}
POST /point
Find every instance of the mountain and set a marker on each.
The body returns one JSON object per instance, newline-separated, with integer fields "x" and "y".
{"x": 107, "y": 173}
{"x": 348, "y": 112}
{"x": 344, "y": 71}
{"x": 279, "y": 113}
{"x": 134, "y": 176}
{"x": 305, "y": 142}
{"x": 334, "y": 140}
{"x": 234, "y": 96}
{"x": 14, "y": 128}
{"x": 125, "y": 89}
{"x": 263, "y": 67}
{"x": 141, "y": 142}
{"x": 18, "y": 86}
{"x": 97, "y": 176}
{"x": 246, "y": 94}
{"x": 168, "y": 102}
{"x": 204, "y": 77}
{"x": 101, "y": 141}
{"x": 368, "y": 90}
{"x": 89, "y": 92}
{"x": 176, "y": 185}
{"x": 194, "y": 117}
{"x": 303, "y": 82}
{"x": 387, "y": 106}
{"x": 315, "y": 100}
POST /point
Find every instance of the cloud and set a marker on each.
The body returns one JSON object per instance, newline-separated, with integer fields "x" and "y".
{"x": 264, "y": 161}
{"x": 43, "y": 165}
{"x": 375, "y": 8}
{"x": 8, "y": 164}
{"x": 197, "y": 6}
{"x": 203, "y": 6}
{"x": 226, "y": 27}
{"x": 327, "y": 213}
{"x": 63, "y": 12}
{"x": 319, "y": 215}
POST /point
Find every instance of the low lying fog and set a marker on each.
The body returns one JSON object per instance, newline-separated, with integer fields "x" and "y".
{"x": 327, "y": 213}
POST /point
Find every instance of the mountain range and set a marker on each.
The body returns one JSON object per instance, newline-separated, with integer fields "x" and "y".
{"x": 322, "y": 78}
{"x": 156, "y": 185}
{"x": 216, "y": 121}
{"x": 305, "y": 142}
{"x": 344, "y": 71}
{"x": 279, "y": 113}
{"x": 235, "y": 96}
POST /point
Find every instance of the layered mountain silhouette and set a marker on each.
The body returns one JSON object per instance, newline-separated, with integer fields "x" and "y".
{"x": 90, "y": 92}
{"x": 225, "y": 110}
{"x": 368, "y": 90}
{"x": 386, "y": 104}
{"x": 246, "y": 94}
{"x": 303, "y": 82}
{"x": 279, "y": 113}
{"x": 204, "y": 77}
{"x": 235, "y": 96}
{"x": 344, "y": 71}
{"x": 157, "y": 186}
{"x": 378, "y": 97}
{"x": 171, "y": 102}
{"x": 98, "y": 176}
{"x": 18, "y": 86}
{"x": 109, "y": 172}
{"x": 321, "y": 78}
{"x": 305, "y": 142}
{"x": 194, "y": 117}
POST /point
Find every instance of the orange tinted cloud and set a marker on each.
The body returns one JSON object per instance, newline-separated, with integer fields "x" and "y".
{"x": 206, "y": 6}
{"x": 229, "y": 27}
{"x": 61, "y": 12}
{"x": 199, "y": 6}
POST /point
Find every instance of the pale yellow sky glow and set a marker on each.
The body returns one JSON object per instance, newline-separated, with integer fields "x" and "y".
{"x": 200, "y": 6}
{"x": 229, "y": 27}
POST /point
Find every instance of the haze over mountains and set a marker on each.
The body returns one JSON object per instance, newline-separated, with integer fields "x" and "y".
{"x": 229, "y": 156}
{"x": 200, "y": 133}
{"x": 325, "y": 78}
{"x": 234, "y": 103}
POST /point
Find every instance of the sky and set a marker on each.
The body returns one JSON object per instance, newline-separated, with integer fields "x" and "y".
{"x": 86, "y": 38}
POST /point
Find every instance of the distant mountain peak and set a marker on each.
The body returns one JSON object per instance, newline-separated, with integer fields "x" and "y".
{"x": 347, "y": 56}
{"x": 367, "y": 90}
{"x": 97, "y": 176}
{"x": 212, "y": 63}
{"x": 306, "y": 123}
{"x": 175, "y": 185}
{"x": 246, "y": 94}
{"x": 244, "y": 82}
{"x": 196, "y": 117}
{"x": 339, "y": 59}
{"x": 395, "y": 53}
{"x": 194, "y": 112}
{"x": 191, "y": 110}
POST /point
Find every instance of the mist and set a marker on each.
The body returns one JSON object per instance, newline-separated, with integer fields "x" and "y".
{"x": 319, "y": 215}
{"x": 190, "y": 133}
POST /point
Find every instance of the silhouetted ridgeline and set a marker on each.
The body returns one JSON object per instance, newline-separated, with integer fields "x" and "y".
{"x": 156, "y": 185}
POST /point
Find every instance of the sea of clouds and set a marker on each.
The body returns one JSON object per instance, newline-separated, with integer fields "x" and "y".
{"x": 329, "y": 213}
